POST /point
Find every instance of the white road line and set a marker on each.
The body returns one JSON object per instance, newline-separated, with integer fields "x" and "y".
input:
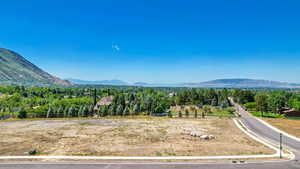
{"x": 248, "y": 132}
{"x": 292, "y": 155}
{"x": 119, "y": 163}
{"x": 269, "y": 144}
{"x": 140, "y": 158}
{"x": 139, "y": 163}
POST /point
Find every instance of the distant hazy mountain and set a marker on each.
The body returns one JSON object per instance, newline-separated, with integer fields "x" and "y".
{"x": 156, "y": 84}
{"x": 140, "y": 84}
{"x": 243, "y": 83}
{"x": 102, "y": 82}
{"x": 15, "y": 69}
{"x": 120, "y": 83}
{"x": 219, "y": 83}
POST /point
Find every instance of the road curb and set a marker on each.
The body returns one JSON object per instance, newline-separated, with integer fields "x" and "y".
{"x": 251, "y": 134}
{"x": 267, "y": 143}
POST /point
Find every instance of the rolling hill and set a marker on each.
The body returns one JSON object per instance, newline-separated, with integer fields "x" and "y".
{"x": 16, "y": 70}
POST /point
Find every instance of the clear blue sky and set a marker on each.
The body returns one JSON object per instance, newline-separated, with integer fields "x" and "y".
{"x": 156, "y": 40}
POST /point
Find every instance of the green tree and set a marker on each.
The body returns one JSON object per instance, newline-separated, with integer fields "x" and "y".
{"x": 187, "y": 113}
{"x": 195, "y": 112}
{"x": 136, "y": 109}
{"x": 261, "y": 101}
{"x": 295, "y": 103}
{"x": 206, "y": 110}
{"x": 22, "y": 114}
{"x": 180, "y": 111}
{"x": 120, "y": 110}
{"x": 49, "y": 112}
{"x": 60, "y": 112}
{"x": 84, "y": 111}
{"x": 276, "y": 102}
{"x": 111, "y": 110}
{"x": 71, "y": 111}
{"x": 126, "y": 111}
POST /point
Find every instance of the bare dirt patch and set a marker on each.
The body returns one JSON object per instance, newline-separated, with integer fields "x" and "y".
{"x": 141, "y": 136}
{"x": 290, "y": 126}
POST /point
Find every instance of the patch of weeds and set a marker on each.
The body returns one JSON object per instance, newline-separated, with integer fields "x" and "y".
{"x": 86, "y": 123}
{"x": 158, "y": 153}
{"x": 32, "y": 152}
{"x": 153, "y": 138}
{"x": 162, "y": 131}
{"x": 122, "y": 128}
{"x": 129, "y": 135}
{"x": 147, "y": 130}
{"x": 170, "y": 153}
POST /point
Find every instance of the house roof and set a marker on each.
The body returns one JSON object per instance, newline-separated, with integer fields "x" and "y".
{"x": 290, "y": 110}
{"x": 105, "y": 101}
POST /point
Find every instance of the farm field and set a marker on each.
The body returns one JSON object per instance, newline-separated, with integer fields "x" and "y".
{"x": 131, "y": 136}
{"x": 290, "y": 126}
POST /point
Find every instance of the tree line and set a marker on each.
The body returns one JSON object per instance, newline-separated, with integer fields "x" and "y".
{"x": 265, "y": 101}
{"x": 57, "y": 102}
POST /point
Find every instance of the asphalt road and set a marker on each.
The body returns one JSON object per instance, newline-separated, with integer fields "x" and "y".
{"x": 274, "y": 165}
{"x": 266, "y": 132}
{"x": 252, "y": 123}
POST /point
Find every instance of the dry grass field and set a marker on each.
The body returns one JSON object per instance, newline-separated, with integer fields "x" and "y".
{"x": 137, "y": 136}
{"x": 287, "y": 125}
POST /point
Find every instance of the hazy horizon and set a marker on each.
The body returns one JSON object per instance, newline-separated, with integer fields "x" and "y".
{"x": 157, "y": 41}
{"x": 100, "y": 80}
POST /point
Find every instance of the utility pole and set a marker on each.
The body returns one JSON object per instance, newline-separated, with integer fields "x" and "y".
{"x": 280, "y": 146}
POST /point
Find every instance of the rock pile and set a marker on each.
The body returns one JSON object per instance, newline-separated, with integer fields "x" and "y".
{"x": 199, "y": 134}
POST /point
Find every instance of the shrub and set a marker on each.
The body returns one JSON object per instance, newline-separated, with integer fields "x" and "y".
{"x": 39, "y": 112}
{"x": 251, "y": 106}
{"x": 268, "y": 115}
{"x": 32, "y": 152}
{"x": 5, "y": 115}
{"x": 22, "y": 114}
{"x": 230, "y": 110}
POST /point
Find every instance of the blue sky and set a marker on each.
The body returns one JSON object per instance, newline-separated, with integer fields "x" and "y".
{"x": 162, "y": 41}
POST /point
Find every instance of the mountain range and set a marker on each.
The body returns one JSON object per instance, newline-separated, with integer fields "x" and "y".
{"x": 100, "y": 82}
{"x": 219, "y": 83}
{"x": 243, "y": 83}
{"x": 16, "y": 70}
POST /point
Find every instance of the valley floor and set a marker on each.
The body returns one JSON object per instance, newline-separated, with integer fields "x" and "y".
{"x": 136, "y": 136}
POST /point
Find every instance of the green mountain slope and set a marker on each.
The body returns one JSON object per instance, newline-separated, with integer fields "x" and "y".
{"x": 15, "y": 69}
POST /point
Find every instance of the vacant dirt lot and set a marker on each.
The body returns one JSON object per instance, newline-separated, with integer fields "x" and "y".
{"x": 289, "y": 126}
{"x": 140, "y": 136}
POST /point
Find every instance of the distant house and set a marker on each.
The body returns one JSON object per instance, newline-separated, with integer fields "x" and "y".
{"x": 171, "y": 94}
{"x": 291, "y": 113}
{"x": 105, "y": 101}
